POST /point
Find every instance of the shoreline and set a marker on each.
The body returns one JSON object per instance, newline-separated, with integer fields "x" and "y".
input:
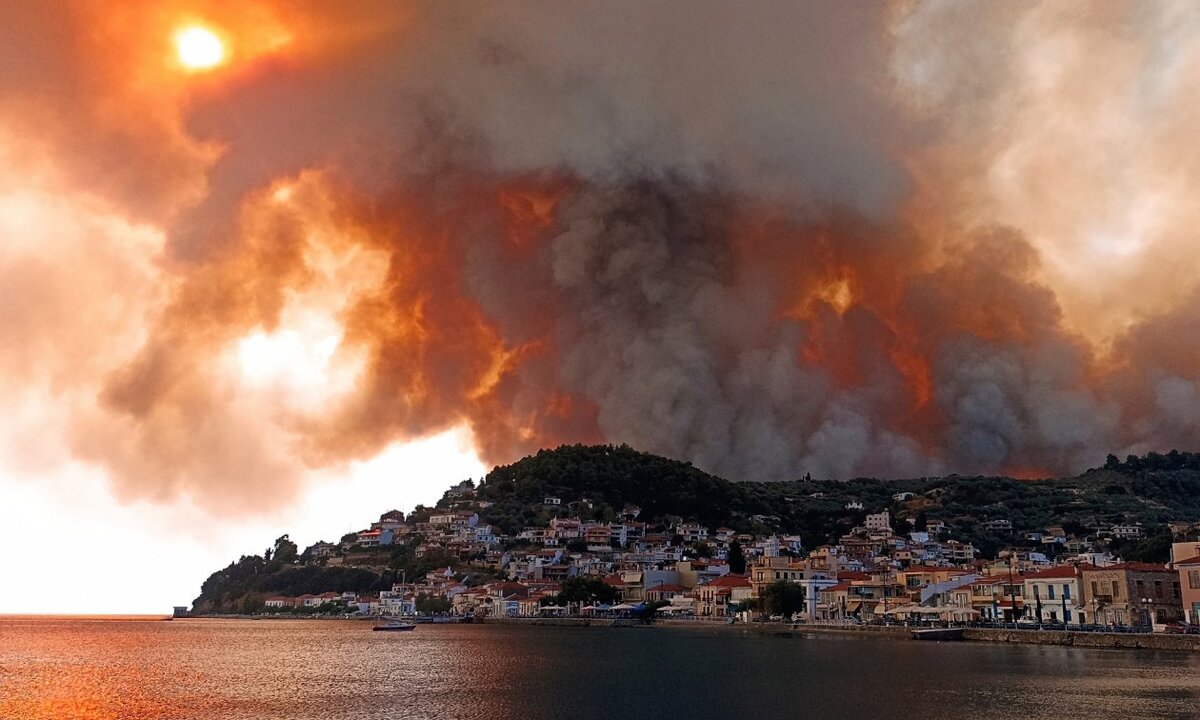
{"x": 1092, "y": 640}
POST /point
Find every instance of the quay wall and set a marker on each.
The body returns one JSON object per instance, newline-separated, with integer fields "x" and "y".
{"x": 772, "y": 628}
{"x": 1186, "y": 643}
{"x": 1140, "y": 641}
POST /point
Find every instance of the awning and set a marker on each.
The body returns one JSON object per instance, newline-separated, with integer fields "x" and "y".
{"x": 952, "y": 612}
{"x": 853, "y": 605}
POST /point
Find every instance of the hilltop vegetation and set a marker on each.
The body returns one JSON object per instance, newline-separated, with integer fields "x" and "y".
{"x": 1150, "y": 490}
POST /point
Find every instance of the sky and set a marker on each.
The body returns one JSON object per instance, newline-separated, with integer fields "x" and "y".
{"x": 276, "y": 267}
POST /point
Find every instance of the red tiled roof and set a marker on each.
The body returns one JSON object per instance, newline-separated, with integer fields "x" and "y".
{"x": 837, "y": 588}
{"x": 853, "y": 575}
{"x": 666, "y": 588}
{"x": 730, "y": 580}
{"x": 1190, "y": 561}
{"x": 923, "y": 569}
{"x": 1139, "y": 567}
{"x": 991, "y": 580}
{"x": 1054, "y": 573}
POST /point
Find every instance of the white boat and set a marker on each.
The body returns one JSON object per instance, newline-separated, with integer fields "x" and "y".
{"x": 394, "y": 626}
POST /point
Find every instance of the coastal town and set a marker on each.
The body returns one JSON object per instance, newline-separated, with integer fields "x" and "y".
{"x": 880, "y": 572}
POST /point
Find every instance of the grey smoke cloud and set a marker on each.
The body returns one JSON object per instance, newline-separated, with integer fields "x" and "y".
{"x": 793, "y": 237}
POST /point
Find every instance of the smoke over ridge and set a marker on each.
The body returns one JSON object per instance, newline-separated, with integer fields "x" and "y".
{"x": 878, "y": 239}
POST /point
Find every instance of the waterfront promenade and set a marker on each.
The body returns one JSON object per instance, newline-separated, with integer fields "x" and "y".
{"x": 1071, "y": 638}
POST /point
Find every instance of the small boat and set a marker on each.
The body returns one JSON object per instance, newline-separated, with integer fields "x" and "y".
{"x": 394, "y": 626}
{"x": 938, "y": 634}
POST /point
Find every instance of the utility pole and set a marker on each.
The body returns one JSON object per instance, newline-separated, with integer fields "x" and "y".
{"x": 1012, "y": 591}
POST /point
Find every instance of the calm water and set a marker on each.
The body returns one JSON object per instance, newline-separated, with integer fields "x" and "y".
{"x": 235, "y": 670}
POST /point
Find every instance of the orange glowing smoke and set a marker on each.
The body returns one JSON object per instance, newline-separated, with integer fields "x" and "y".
{"x": 374, "y": 224}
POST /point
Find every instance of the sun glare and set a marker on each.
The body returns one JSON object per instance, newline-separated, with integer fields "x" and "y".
{"x": 199, "y": 48}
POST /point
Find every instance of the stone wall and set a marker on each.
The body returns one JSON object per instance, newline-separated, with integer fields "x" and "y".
{"x": 1146, "y": 641}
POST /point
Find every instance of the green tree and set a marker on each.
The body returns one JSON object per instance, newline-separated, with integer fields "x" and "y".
{"x": 285, "y": 551}
{"x": 1153, "y": 549}
{"x": 737, "y": 558}
{"x": 431, "y": 605}
{"x": 783, "y": 598}
{"x": 921, "y": 522}
{"x": 586, "y": 590}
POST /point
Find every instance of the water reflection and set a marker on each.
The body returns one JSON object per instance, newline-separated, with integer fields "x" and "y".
{"x": 239, "y": 670}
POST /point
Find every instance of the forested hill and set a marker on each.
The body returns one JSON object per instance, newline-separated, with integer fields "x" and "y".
{"x": 612, "y": 477}
{"x": 1152, "y": 490}
{"x": 600, "y": 482}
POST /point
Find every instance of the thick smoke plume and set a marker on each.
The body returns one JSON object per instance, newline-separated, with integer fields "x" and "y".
{"x": 867, "y": 239}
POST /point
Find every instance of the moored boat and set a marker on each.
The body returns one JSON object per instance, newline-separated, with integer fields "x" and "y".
{"x": 394, "y": 626}
{"x": 938, "y": 634}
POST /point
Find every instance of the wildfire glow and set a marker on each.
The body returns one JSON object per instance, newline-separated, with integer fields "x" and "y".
{"x": 302, "y": 361}
{"x": 199, "y": 48}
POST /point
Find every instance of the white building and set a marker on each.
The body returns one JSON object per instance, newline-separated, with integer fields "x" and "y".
{"x": 1054, "y": 592}
{"x": 1127, "y": 531}
{"x": 879, "y": 521}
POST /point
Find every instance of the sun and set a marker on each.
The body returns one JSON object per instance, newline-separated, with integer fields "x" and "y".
{"x": 199, "y": 48}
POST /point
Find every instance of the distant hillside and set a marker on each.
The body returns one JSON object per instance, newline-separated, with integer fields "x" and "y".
{"x": 598, "y": 482}
{"x": 1151, "y": 490}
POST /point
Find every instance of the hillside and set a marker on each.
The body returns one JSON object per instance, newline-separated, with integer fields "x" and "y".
{"x": 599, "y": 483}
{"x": 1151, "y": 490}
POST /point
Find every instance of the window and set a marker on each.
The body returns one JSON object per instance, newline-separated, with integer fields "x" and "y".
{"x": 1036, "y": 592}
{"x": 1095, "y": 588}
{"x": 1067, "y": 593}
{"x": 1116, "y": 593}
{"x": 1050, "y": 592}
{"x": 1158, "y": 591}
{"x": 1194, "y": 579}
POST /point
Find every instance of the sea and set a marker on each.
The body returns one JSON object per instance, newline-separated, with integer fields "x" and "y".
{"x": 141, "y": 669}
